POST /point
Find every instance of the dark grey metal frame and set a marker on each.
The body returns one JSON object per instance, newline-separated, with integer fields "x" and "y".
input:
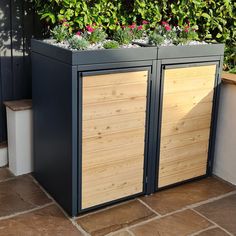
{"x": 50, "y": 62}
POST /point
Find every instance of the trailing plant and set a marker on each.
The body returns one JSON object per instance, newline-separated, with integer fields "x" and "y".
{"x": 112, "y": 44}
{"x": 77, "y": 42}
{"x": 123, "y": 36}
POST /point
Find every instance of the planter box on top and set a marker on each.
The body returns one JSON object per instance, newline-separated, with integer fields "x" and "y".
{"x": 105, "y": 120}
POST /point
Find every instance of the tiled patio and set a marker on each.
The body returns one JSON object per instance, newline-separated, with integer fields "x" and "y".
{"x": 205, "y": 207}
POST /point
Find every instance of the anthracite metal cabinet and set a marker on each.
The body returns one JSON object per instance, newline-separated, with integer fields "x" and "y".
{"x": 110, "y": 125}
{"x": 91, "y": 114}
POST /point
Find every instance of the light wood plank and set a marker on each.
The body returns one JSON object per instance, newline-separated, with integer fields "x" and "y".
{"x": 112, "y": 155}
{"x": 186, "y": 125}
{"x": 180, "y": 140}
{"x": 108, "y": 109}
{"x": 180, "y": 153}
{"x": 174, "y": 100}
{"x": 186, "y": 112}
{"x": 103, "y": 195}
{"x": 182, "y": 176}
{"x": 104, "y": 126}
{"x": 169, "y": 169}
{"x": 113, "y": 140}
{"x": 114, "y": 92}
{"x": 115, "y": 79}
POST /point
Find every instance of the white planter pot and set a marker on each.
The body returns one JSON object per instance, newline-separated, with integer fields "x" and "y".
{"x": 3, "y": 156}
{"x": 19, "y": 128}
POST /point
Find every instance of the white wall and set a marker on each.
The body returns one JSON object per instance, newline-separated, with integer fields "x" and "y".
{"x": 225, "y": 152}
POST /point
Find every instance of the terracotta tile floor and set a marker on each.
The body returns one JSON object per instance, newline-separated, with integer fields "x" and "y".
{"x": 205, "y": 208}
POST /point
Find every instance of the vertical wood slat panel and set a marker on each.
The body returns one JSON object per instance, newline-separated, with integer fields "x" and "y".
{"x": 185, "y": 124}
{"x": 17, "y": 27}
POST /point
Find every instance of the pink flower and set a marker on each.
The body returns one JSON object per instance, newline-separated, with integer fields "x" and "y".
{"x": 66, "y": 25}
{"x": 144, "y": 22}
{"x": 94, "y": 24}
{"x": 133, "y": 26}
{"x": 140, "y": 27}
{"x": 123, "y": 26}
{"x": 186, "y": 30}
{"x": 89, "y": 28}
{"x": 167, "y": 27}
{"x": 164, "y": 23}
{"x": 78, "y": 33}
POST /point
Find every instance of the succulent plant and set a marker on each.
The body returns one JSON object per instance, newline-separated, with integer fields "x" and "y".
{"x": 77, "y": 42}
{"x": 111, "y": 44}
{"x": 123, "y": 36}
{"x": 155, "y": 39}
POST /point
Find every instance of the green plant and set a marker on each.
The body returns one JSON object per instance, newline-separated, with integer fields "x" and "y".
{"x": 216, "y": 19}
{"x": 123, "y": 36}
{"x": 95, "y": 35}
{"x": 111, "y": 44}
{"x": 137, "y": 31}
{"x": 77, "y": 42}
{"x": 155, "y": 39}
{"x": 60, "y": 33}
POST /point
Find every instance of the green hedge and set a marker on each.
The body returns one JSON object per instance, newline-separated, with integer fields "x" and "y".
{"x": 216, "y": 20}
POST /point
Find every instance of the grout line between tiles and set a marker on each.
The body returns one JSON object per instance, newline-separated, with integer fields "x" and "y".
{"x": 214, "y": 223}
{"x": 119, "y": 231}
{"x": 203, "y": 230}
{"x": 146, "y": 205}
{"x": 130, "y": 232}
{"x": 211, "y": 200}
{"x": 183, "y": 209}
{"x": 27, "y": 211}
{"x": 7, "y": 179}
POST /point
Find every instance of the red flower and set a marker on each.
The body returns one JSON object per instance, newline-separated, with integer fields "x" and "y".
{"x": 164, "y": 23}
{"x": 78, "y": 33}
{"x": 89, "y": 28}
{"x": 123, "y": 26}
{"x": 167, "y": 27}
{"x": 144, "y": 22}
{"x": 186, "y": 30}
{"x": 133, "y": 26}
{"x": 140, "y": 27}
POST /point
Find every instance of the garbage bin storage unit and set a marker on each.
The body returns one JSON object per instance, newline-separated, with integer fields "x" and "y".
{"x": 186, "y": 122}
{"x": 91, "y": 122}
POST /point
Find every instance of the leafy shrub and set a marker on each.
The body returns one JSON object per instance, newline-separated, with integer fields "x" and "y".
{"x": 111, "y": 44}
{"x": 156, "y": 39}
{"x": 123, "y": 36}
{"x": 77, "y": 42}
{"x": 60, "y": 33}
{"x": 216, "y": 19}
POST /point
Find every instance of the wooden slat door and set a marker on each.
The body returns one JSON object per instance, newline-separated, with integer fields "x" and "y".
{"x": 113, "y": 136}
{"x": 185, "y": 126}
